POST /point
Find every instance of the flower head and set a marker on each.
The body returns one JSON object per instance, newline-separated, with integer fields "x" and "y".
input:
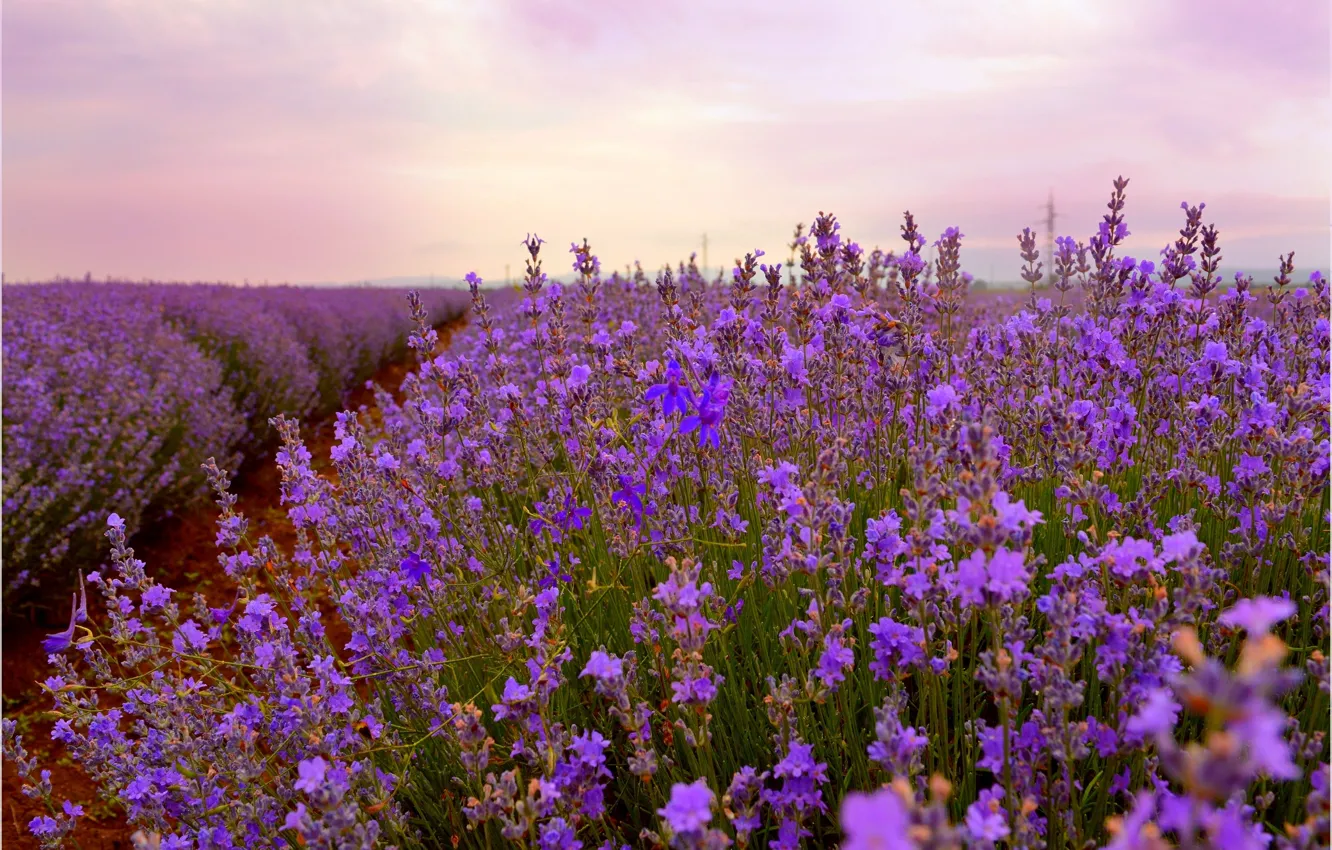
{"x": 690, "y": 807}
{"x": 414, "y": 567}
{"x": 631, "y": 496}
{"x": 602, "y": 666}
{"x": 60, "y": 641}
{"x": 875, "y": 821}
{"x": 311, "y": 773}
{"x": 1258, "y": 615}
{"x": 674, "y": 391}
{"x": 711, "y": 408}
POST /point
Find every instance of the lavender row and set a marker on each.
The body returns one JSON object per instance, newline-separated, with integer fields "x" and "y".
{"x": 843, "y": 555}
{"x": 115, "y": 394}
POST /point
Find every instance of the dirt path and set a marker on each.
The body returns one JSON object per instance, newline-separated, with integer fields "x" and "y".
{"x": 180, "y": 552}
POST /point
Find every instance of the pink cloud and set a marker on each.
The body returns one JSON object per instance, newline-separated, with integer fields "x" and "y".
{"x": 298, "y": 139}
{"x": 1284, "y": 40}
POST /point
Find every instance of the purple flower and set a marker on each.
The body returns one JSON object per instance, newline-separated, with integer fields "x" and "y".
{"x": 414, "y": 567}
{"x": 631, "y": 495}
{"x": 694, "y": 690}
{"x": 940, "y": 399}
{"x": 60, "y": 641}
{"x": 1262, "y": 730}
{"x": 985, "y": 817}
{"x": 572, "y": 516}
{"x": 1156, "y": 716}
{"x": 711, "y": 409}
{"x": 1258, "y": 615}
{"x": 970, "y": 578}
{"x": 156, "y": 596}
{"x": 602, "y": 667}
{"x": 1215, "y": 352}
{"x": 556, "y": 834}
{"x": 43, "y": 826}
{"x": 1130, "y": 559}
{"x": 896, "y": 747}
{"x": 690, "y": 807}
{"x": 896, "y": 647}
{"x": 1014, "y": 515}
{"x": 1179, "y": 547}
{"x": 835, "y": 660}
{"x": 189, "y": 637}
{"x": 674, "y": 391}
{"x": 875, "y": 821}
{"x": 743, "y": 801}
{"x": 864, "y": 482}
{"x": 801, "y": 776}
{"x": 1007, "y": 574}
{"x": 312, "y": 773}
{"x": 1137, "y": 832}
{"x": 1003, "y": 576}
{"x": 299, "y": 819}
{"x": 732, "y": 612}
{"x": 514, "y": 697}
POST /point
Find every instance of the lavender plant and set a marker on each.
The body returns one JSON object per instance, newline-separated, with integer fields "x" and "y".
{"x": 775, "y": 562}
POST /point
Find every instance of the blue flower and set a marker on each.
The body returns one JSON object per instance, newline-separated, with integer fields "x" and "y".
{"x": 414, "y": 567}
{"x": 43, "y": 826}
{"x": 60, "y": 641}
{"x": 632, "y": 496}
{"x": 573, "y": 515}
{"x": 673, "y": 391}
{"x": 711, "y": 409}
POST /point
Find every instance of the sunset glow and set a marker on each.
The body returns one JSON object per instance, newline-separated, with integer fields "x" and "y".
{"x": 333, "y": 141}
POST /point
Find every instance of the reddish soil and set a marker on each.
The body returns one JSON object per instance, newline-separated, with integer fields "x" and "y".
{"x": 180, "y": 552}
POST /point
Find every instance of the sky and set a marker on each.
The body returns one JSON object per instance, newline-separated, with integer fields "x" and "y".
{"x": 334, "y": 140}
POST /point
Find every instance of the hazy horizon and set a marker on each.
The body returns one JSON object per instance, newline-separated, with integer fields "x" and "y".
{"x": 1261, "y": 277}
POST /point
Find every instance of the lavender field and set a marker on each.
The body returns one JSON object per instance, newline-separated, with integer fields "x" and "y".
{"x": 842, "y": 554}
{"x": 116, "y": 393}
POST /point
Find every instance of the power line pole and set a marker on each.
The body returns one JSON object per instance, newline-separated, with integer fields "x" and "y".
{"x": 705, "y": 255}
{"x": 1050, "y": 237}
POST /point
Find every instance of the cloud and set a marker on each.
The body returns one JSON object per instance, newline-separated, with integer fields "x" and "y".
{"x": 1283, "y": 42}
{"x": 331, "y": 139}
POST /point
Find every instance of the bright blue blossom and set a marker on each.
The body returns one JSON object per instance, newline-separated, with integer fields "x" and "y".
{"x": 674, "y": 391}
{"x": 711, "y": 409}
{"x": 414, "y": 567}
